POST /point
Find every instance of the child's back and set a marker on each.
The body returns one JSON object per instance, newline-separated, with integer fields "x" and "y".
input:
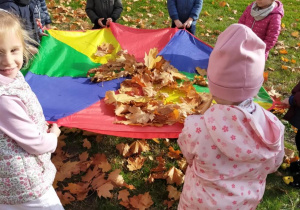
{"x": 265, "y": 24}
{"x": 236, "y": 143}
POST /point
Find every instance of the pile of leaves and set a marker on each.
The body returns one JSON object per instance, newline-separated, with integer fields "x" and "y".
{"x": 157, "y": 94}
{"x": 82, "y": 174}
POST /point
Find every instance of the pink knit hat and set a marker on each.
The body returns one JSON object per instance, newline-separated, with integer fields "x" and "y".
{"x": 236, "y": 64}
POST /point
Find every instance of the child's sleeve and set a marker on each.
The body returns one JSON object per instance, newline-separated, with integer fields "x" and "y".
{"x": 16, "y": 123}
{"x": 118, "y": 8}
{"x": 187, "y": 141}
{"x": 172, "y": 9}
{"x": 89, "y": 9}
{"x": 196, "y": 9}
{"x": 45, "y": 11}
{"x": 273, "y": 31}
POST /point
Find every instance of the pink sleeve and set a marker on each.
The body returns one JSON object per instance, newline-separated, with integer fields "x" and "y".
{"x": 16, "y": 124}
{"x": 273, "y": 31}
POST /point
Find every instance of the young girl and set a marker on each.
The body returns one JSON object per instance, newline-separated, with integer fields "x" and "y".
{"x": 26, "y": 140}
{"x": 236, "y": 143}
{"x": 264, "y": 18}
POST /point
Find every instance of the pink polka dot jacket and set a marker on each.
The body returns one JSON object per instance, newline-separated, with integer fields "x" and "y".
{"x": 268, "y": 29}
{"x": 229, "y": 152}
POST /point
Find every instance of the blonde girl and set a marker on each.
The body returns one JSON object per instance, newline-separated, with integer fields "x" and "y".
{"x": 26, "y": 140}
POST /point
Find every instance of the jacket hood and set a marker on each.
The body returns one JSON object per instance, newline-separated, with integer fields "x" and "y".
{"x": 255, "y": 137}
{"x": 279, "y": 9}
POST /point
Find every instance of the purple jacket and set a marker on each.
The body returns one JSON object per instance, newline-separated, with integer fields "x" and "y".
{"x": 268, "y": 29}
{"x": 293, "y": 114}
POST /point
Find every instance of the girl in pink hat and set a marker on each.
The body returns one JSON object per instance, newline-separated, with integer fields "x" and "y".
{"x": 236, "y": 143}
{"x": 264, "y": 18}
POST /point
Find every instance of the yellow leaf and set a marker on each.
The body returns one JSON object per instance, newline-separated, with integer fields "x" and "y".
{"x": 283, "y": 51}
{"x": 295, "y": 34}
{"x": 282, "y": 25}
{"x": 128, "y": 9}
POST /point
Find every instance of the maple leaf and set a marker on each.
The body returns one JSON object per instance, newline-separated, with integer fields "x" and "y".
{"x": 123, "y": 149}
{"x": 135, "y": 163}
{"x": 273, "y": 93}
{"x": 98, "y": 181}
{"x": 153, "y": 176}
{"x": 123, "y": 195}
{"x": 65, "y": 198}
{"x": 84, "y": 156}
{"x": 173, "y": 192}
{"x": 174, "y": 175}
{"x": 86, "y": 143}
{"x": 200, "y": 71}
{"x": 151, "y": 59}
{"x": 168, "y": 203}
{"x": 116, "y": 178}
{"x": 182, "y": 163}
{"x": 161, "y": 165}
{"x": 76, "y": 188}
{"x": 66, "y": 170}
{"x": 139, "y": 146}
{"x": 101, "y": 161}
{"x": 91, "y": 173}
{"x": 104, "y": 49}
{"x": 141, "y": 201}
{"x": 174, "y": 153}
{"x": 104, "y": 190}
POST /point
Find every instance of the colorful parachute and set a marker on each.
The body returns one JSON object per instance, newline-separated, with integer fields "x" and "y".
{"x": 58, "y": 75}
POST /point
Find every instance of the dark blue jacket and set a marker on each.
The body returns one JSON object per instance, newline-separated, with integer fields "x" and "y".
{"x": 184, "y": 9}
{"x": 25, "y": 12}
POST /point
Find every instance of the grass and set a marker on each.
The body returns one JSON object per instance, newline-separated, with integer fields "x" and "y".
{"x": 152, "y": 14}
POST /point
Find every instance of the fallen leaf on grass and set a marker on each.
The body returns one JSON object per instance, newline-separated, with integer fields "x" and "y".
{"x": 104, "y": 190}
{"x": 123, "y": 195}
{"x": 175, "y": 175}
{"x": 173, "y": 193}
{"x": 101, "y": 161}
{"x": 65, "y": 198}
{"x": 174, "y": 154}
{"x": 116, "y": 178}
{"x": 135, "y": 163}
{"x": 86, "y": 143}
{"x": 141, "y": 201}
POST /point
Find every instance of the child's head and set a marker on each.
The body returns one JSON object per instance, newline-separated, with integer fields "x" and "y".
{"x": 236, "y": 64}
{"x": 264, "y": 3}
{"x": 14, "y": 48}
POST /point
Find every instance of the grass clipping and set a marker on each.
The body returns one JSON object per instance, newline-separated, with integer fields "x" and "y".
{"x": 157, "y": 93}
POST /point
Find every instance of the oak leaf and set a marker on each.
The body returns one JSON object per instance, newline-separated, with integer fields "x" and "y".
{"x": 174, "y": 175}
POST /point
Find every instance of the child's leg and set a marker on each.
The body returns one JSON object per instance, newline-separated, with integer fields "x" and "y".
{"x": 48, "y": 201}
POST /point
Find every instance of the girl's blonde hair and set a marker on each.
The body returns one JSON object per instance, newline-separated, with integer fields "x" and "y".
{"x": 11, "y": 23}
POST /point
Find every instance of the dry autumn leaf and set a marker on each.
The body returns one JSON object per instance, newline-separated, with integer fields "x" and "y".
{"x": 116, "y": 178}
{"x": 174, "y": 175}
{"x": 83, "y": 156}
{"x": 104, "y": 190}
{"x": 101, "y": 161}
{"x": 141, "y": 201}
{"x": 65, "y": 198}
{"x": 123, "y": 195}
{"x": 135, "y": 163}
{"x": 173, "y": 192}
{"x": 295, "y": 34}
{"x": 176, "y": 154}
{"x": 200, "y": 71}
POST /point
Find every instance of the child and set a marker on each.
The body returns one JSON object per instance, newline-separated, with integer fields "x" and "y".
{"x": 185, "y": 13}
{"x": 22, "y": 9}
{"x": 236, "y": 143}
{"x": 26, "y": 141}
{"x": 264, "y": 18}
{"x": 101, "y": 13}
{"x": 41, "y": 14}
{"x": 293, "y": 114}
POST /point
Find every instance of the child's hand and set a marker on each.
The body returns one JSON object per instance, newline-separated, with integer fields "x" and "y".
{"x": 53, "y": 128}
{"x": 108, "y": 21}
{"x": 48, "y": 26}
{"x": 188, "y": 23}
{"x": 285, "y": 101}
{"x": 100, "y": 22}
{"x": 178, "y": 23}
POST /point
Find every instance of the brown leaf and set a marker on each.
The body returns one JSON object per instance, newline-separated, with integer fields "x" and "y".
{"x": 173, "y": 193}
{"x": 104, "y": 190}
{"x": 135, "y": 163}
{"x": 139, "y": 146}
{"x": 161, "y": 165}
{"x": 76, "y": 188}
{"x": 116, "y": 178}
{"x": 123, "y": 195}
{"x": 123, "y": 149}
{"x": 91, "y": 173}
{"x": 141, "y": 201}
{"x": 168, "y": 203}
{"x": 86, "y": 143}
{"x": 66, "y": 170}
{"x": 200, "y": 71}
{"x": 98, "y": 181}
{"x": 174, "y": 153}
{"x": 84, "y": 156}
{"x": 101, "y": 161}
{"x": 182, "y": 163}
{"x": 65, "y": 198}
{"x": 174, "y": 175}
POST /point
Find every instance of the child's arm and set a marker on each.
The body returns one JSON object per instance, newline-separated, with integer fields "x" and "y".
{"x": 89, "y": 9}
{"x": 45, "y": 10}
{"x": 16, "y": 123}
{"x": 242, "y": 19}
{"x": 273, "y": 31}
{"x": 118, "y": 8}
{"x": 196, "y": 9}
{"x": 172, "y": 9}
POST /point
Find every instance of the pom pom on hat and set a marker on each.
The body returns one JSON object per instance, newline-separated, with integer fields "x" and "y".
{"x": 236, "y": 64}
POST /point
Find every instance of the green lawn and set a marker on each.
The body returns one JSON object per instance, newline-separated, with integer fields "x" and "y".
{"x": 214, "y": 18}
